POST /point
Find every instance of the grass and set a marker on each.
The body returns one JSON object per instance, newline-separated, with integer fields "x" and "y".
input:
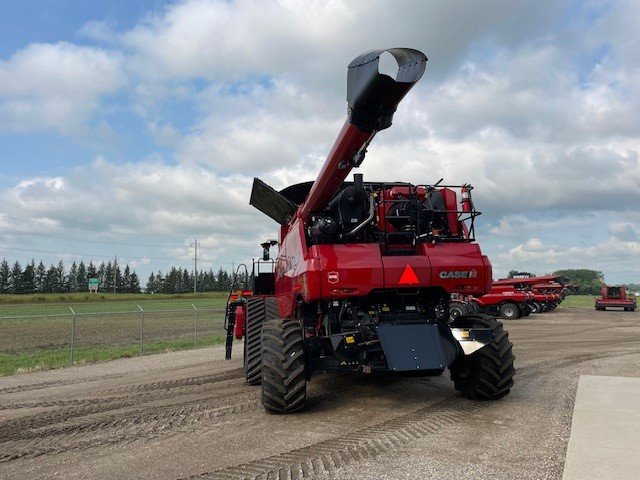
{"x": 49, "y": 304}
{"x": 578, "y": 301}
{"x": 110, "y": 329}
{"x": 49, "y": 358}
{"x": 104, "y": 297}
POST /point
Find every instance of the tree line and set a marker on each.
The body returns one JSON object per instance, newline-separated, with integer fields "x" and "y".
{"x": 587, "y": 281}
{"x": 57, "y": 279}
{"x": 37, "y": 278}
{"x": 179, "y": 280}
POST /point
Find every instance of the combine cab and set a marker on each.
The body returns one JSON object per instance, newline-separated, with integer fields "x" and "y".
{"x": 365, "y": 270}
{"x": 615, "y": 297}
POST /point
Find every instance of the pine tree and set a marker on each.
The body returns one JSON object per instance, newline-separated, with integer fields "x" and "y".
{"x": 187, "y": 282}
{"x": 14, "y": 278}
{"x": 51, "y": 280}
{"x": 61, "y": 281}
{"x": 82, "y": 283}
{"x": 126, "y": 280}
{"x": 41, "y": 273}
{"x": 5, "y": 275}
{"x": 117, "y": 277}
{"x": 72, "y": 278}
{"x": 107, "y": 277}
{"x": 92, "y": 272}
{"x": 28, "y": 278}
{"x": 151, "y": 283}
{"x": 160, "y": 281}
{"x": 134, "y": 285}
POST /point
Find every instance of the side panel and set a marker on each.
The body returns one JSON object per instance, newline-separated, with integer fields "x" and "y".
{"x": 348, "y": 270}
{"x": 458, "y": 267}
{"x": 296, "y": 273}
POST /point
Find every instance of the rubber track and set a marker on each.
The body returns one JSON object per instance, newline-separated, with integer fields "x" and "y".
{"x": 259, "y": 311}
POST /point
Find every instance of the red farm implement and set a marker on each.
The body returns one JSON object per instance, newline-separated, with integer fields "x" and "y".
{"x": 615, "y": 297}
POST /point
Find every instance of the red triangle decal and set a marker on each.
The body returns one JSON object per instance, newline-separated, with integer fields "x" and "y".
{"x": 408, "y": 276}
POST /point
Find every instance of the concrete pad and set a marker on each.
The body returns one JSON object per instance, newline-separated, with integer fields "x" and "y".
{"x": 605, "y": 430}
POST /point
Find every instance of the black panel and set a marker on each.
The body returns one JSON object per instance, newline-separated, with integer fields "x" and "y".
{"x": 412, "y": 347}
{"x": 271, "y": 203}
{"x": 264, "y": 284}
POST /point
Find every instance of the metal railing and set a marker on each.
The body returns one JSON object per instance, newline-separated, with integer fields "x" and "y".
{"x": 138, "y": 332}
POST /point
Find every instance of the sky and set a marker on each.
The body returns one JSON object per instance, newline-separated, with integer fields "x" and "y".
{"x": 131, "y": 127}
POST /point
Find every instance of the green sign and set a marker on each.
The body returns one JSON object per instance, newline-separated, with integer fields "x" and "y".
{"x": 94, "y": 282}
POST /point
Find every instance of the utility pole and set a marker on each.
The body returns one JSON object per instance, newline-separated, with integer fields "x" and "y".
{"x": 115, "y": 277}
{"x": 195, "y": 264}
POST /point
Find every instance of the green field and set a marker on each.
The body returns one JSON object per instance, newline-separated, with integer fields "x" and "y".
{"x": 576, "y": 301}
{"x": 50, "y": 304}
{"x": 37, "y": 336}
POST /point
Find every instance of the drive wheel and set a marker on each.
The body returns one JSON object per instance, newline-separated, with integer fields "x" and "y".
{"x": 509, "y": 311}
{"x": 456, "y": 309}
{"x": 258, "y": 311}
{"x": 284, "y": 383}
{"x": 486, "y": 374}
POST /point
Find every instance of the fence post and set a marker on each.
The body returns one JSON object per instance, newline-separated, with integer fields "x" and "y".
{"x": 141, "y": 330}
{"x": 195, "y": 326}
{"x": 73, "y": 335}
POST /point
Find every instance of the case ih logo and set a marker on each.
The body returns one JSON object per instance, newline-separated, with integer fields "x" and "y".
{"x": 333, "y": 277}
{"x": 459, "y": 274}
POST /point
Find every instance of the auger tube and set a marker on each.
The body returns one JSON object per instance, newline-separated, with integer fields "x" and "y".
{"x": 377, "y": 81}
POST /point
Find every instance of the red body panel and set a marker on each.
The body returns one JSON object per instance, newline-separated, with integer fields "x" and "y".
{"x": 502, "y": 294}
{"x": 353, "y": 270}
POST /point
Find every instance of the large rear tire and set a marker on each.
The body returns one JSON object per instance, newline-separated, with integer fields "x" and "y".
{"x": 486, "y": 374}
{"x": 509, "y": 311}
{"x": 284, "y": 382}
{"x": 259, "y": 310}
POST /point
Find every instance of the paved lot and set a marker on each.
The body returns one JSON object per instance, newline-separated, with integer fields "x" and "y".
{"x": 605, "y": 430}
{"x": 186, "y": 414}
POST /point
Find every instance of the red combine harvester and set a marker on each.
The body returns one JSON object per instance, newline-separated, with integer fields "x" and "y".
{"x": 615, "y": 297}
{"x": 365, "y": 270}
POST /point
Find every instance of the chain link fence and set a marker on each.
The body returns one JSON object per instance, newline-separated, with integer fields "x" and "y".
{"x": 94, "y": 336}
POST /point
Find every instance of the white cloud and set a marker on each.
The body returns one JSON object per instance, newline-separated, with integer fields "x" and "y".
{"x": 55, "y": 86}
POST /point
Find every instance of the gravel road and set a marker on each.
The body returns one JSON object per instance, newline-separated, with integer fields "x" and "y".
{"x": 190, "y": 414}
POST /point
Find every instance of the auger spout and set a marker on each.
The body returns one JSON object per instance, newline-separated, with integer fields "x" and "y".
{"x": 376, "y": 83}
